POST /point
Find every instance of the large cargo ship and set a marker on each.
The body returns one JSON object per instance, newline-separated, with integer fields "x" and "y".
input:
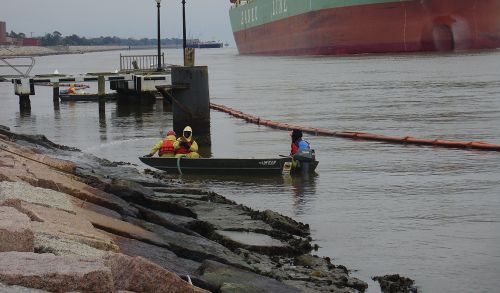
{"x": 331, "y": 27}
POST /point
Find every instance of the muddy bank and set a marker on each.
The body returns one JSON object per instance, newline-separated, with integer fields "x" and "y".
{"x": 122, "y": 229}
{"x": 13, "y": 51}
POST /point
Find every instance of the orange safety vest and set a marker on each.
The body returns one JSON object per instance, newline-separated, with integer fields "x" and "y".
{"x": 166, "y": 148}
{"x": 183, "y": 150}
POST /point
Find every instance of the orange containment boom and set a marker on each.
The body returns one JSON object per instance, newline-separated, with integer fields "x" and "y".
{"x": 359, "y": 135}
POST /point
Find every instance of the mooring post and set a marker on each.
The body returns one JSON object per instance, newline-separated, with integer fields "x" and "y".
{"x": 23, "y": 88}
{"x": 24, "y": 103}
{"x": 192, "y": 103}
{"x": 55, "y": 95}
{"x": 101, "y": 86}
{"x": 102, "y": 112}
{"x": 55, "y": 91}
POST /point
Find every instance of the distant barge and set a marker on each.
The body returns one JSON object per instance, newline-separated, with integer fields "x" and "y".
{"x": 204, "y": 45}
{"x": 333, "y": 27}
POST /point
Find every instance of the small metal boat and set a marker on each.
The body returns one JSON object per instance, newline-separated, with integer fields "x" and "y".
{"x": 225, "y": 166}
{"x": 84, "y": 97}
{"x": 78, "y": 97}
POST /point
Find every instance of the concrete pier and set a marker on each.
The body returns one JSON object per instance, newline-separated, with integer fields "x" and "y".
{"x": 24, "y": 103}
{"x": 191, "y": 101}
{"x": 23, "y": 88}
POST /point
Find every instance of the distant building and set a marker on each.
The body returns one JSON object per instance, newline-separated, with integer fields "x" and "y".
{"x": 3, "y": 33}
{"x": 31, "y": 42}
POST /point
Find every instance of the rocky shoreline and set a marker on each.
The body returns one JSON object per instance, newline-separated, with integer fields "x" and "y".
{"x": 15, "y": 51}
{"x": 70, "y": 221}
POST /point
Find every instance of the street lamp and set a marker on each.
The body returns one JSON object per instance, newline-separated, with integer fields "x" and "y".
{"x": 184, "y": 29}
{"x": 159, "y": 45}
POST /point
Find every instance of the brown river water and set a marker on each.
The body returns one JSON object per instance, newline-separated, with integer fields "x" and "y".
{"x": 428, "y": 213}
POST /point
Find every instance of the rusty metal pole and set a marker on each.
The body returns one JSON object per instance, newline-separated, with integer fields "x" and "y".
{"x": 158, "y": 67}
{"x": 184, "y": 30}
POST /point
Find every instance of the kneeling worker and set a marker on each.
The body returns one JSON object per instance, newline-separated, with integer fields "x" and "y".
{"x": 301, "y": 151}
{"x": 185, "y": 146}
{"x": 165, "y": 147}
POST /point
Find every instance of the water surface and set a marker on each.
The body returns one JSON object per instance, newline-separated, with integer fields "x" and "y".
{"x": 427, "y": 213}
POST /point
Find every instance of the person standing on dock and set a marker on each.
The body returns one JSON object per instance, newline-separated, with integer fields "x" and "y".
{"x": 165, "y": 147}
{"x": 185, "y": 146}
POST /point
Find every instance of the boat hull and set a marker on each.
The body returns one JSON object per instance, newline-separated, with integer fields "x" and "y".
{"x": 220, "y": 166}
{"x": 84, "y": 97}
{"x": 384, "y": 27}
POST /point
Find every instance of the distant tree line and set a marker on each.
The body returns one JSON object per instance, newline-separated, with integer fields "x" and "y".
{"x": 57, "y": 39}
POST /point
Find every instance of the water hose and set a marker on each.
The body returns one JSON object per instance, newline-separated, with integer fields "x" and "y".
{"x": 179, "y": 165}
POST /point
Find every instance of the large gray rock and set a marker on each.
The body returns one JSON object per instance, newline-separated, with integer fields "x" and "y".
{"x": 166, "y": 220}
{"x": 16, "y": 233}
{"x": 140, "y": 275}
{"x": 128, "y": 190}
{"x": 195, "y": 248}
{"x": 159, "y": 255}
{"x": 231, "y": 279}
{"x": 54, "y": 273}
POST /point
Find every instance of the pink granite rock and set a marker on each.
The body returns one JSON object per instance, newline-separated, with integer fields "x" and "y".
{"x": 140, "y": 275}
{"x": 61, "y": 224}
{"x": 54, "y": 273}
{"x": 16, "y": 233}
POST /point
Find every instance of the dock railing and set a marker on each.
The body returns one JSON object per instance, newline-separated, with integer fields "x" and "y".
{"x": 16, "y": 66}
{"x": 140, "y": 62}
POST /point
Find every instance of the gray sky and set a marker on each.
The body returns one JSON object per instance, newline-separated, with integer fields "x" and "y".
{"x": 206, "y": 19}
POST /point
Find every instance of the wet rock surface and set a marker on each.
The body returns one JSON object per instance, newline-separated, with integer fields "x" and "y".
{"x": 396, "y": 284}
{"x": 231, "y": 279}
{"x": 151, "y": 224}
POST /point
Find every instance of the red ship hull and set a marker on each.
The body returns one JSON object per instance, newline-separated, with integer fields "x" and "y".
{"x": 411, "y": 26}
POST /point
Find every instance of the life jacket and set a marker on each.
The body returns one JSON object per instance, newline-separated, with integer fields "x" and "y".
{"x": 299, "y": 144}
{"x": 167, "y": 147}
{"x": 183, "y": 150}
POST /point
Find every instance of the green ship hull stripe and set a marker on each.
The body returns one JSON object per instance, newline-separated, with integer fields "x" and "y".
{"x": 259, "y": 12}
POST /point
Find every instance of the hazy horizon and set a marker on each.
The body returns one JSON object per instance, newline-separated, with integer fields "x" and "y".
{"x": 121, "y": 18}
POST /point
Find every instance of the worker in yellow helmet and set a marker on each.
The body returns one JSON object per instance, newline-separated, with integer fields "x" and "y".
{"x": 185, "y": 146}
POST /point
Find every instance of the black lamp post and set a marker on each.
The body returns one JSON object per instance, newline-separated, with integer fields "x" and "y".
{"x": 159, "y": 40}
{"x": 184, "y": 29}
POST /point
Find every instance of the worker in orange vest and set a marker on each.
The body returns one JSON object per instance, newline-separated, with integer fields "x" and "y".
{"x": 71, "y": 89}
{"x": 164, "y": 147}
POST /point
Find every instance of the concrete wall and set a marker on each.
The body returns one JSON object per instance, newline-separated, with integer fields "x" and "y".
{"x": 3, "y": 31}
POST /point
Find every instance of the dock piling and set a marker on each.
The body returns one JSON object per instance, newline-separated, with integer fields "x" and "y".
{"x": 101, "y": 86}
{"x": 55, "y": 91}
{"x": 23, "y": 88}
{"x": 24, "y": 103}
{"x": 192, "y": 105}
